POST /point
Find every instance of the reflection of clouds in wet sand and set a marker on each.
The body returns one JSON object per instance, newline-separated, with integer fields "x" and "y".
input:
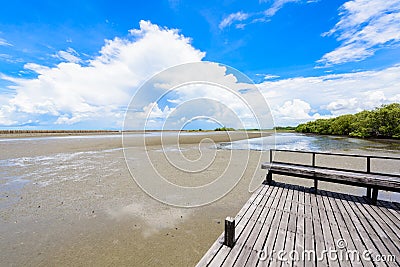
{"x": 155, "y": 218}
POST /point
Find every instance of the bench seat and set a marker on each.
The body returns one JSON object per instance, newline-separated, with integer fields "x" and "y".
{"x": 363, "y": 179}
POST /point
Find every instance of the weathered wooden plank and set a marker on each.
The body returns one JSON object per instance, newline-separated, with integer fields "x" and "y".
{"x": 216, "y": 246}
{"x": 355, "y": 238}
{"x": 372, "y": 228}
{"x": 285, "y": 217}
{"x": 388, "y": 216}
{"x": 343, "y": 252}
{"x": 282, "y": 228}
{"x": 240, "y": 227}
{"x": 318, "y": 233}
{"x": 212, "y": 252}
{"x": 220, "y": 257}
{"x": 249, "y": 245}
{"x": 309, "y": 241}
{"x": 378, "y": 231}
{"x": 390, "y": 211}
{"x": 391, "y": 229}
{"x": 326, "y": 232}
{"x": 300, "y": 230}
{"x": 359, "y": 222}
{"x": 331, "y": 230}
{"x": 289, "y": 244}
{"x": 241, "y": 241}
{"x": 265, "y": 230}
{"x": 267, "y": 243}
{"x": 293, "y": 210}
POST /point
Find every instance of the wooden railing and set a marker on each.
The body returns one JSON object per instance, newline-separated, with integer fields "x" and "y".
{"x": 314, "y": 153}
{"x": 371, "y": 180}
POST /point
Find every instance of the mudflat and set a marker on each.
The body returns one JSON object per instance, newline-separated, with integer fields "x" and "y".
{"x": 73, "y": 201}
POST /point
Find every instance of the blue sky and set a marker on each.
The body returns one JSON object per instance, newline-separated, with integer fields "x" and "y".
{"x": 76, "y": 64}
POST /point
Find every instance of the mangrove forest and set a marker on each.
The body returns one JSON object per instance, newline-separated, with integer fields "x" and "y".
{"x": 382, "y": 122}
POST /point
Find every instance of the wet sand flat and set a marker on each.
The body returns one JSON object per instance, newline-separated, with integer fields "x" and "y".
{"x": 74, "y": 202}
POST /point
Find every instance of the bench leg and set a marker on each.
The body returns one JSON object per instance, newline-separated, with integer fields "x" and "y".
{"x": 368, "y": 192}
{"x": 314, "y": 189}
{"x": 269, "y": 178}
{"x": 374, "y": 198}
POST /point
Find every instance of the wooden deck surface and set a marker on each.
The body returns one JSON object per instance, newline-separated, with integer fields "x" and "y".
{"x": 291, "y": 222}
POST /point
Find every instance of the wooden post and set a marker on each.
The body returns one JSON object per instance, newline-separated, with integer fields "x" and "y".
{"x": 315, "y": 184}
{"x": 315, "y": 179}
{"x": 229, "y": 239}
{"x": 270, "y": 155}
{"x": 269, "y": 177}
{"x": 374, "y": 195}
{"x": 313, "y": 159}
{"x": 368, "y": 164}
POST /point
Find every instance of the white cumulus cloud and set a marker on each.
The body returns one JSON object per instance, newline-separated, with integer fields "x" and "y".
{"x": 302, "y": 99}
{"x": 207, "y": 90}
{"x": 70, "y": 92}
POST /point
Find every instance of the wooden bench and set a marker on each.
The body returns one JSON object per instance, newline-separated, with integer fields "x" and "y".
{"x": 371, "y": 180}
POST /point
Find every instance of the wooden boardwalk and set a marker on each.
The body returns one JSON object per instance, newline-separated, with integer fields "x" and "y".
{"x": 287, "y": 225}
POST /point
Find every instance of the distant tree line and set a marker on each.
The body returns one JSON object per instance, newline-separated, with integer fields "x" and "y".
{"x": 224, "y": 129}
{"x": 53, "y": 131}
{"x": 382, "y": 122}
{"x": 285, "y": 128}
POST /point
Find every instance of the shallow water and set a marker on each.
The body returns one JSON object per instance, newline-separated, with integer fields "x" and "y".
{"x": 295, "y": 141}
